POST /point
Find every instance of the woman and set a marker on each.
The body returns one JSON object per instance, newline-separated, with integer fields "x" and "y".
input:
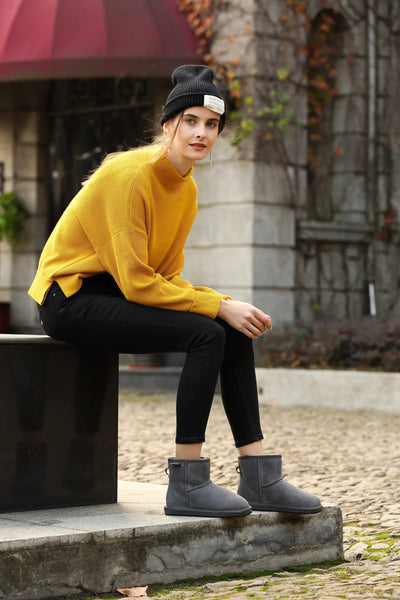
{"x": 110, "y": 277}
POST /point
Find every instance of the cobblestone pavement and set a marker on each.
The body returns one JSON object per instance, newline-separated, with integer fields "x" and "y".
{"x": 348, "y": 458}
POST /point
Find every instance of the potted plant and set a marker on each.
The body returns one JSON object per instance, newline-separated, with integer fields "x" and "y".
{"x": 13, "y": 215}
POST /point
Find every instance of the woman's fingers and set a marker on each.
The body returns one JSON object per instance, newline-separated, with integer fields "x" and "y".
{"x": 255, "y": 327}
{"x": 263, "y": 318}
{"x": 268, "y": 322}
{"x": 255, "y": 322}
{"x": 245, "y": 317}
{"x": 260, "y": 321}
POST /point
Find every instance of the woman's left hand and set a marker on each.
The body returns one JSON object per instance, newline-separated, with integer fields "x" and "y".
{"x": 245, "y": 317}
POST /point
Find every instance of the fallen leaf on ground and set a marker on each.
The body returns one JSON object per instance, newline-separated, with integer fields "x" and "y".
{"x": 134, "y": 592}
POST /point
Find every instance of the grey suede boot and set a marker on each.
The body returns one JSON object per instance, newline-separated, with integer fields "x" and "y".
{"x": 191, "y": 493}
{"x": 262, "y": 485}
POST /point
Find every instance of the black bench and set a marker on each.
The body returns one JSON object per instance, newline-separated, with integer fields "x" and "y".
{"x": 58, "y": 424}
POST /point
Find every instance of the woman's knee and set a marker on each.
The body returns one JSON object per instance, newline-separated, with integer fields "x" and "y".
{"x": 237, "y": 342}
{"x": 210, "y": 334}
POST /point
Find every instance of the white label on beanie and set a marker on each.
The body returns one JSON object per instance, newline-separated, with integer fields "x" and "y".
{"x": 214, "y": 103}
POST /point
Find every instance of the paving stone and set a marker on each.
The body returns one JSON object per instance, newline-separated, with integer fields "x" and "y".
{"x": 348, "y": 458}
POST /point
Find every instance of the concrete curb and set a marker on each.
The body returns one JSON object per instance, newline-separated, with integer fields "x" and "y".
{"x": 51, "y": 553}
{"x": 149, "y": 379}
{"x": 340, "y": 390}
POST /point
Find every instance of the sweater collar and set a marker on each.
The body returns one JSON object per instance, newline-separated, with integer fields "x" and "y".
{"x": 168, "y": 172}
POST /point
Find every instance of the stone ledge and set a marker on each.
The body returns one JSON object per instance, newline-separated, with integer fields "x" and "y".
{"x": 321, "y": 388}
{"x": 324, "y": 388}
{"x": 320, "y": 231}
{"x": 52, "y": 553}
{"x": 27, "y": 338}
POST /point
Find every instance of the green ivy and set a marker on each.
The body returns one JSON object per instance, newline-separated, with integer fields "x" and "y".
{"x": 13, "y": 215}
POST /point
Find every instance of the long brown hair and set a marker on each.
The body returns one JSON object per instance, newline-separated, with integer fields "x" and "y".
{"x": 161, "y": 141}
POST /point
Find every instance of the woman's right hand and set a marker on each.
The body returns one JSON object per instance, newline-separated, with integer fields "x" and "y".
{"x": 244, "y": 317}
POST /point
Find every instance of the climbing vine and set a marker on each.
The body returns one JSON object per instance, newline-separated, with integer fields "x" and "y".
{"x": 200, "y": 15}
{"x": 275, "y": 111}
{"x": 322, "y": 50}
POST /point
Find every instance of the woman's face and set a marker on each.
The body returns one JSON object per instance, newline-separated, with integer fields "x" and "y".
{"x": 196, "y": 133}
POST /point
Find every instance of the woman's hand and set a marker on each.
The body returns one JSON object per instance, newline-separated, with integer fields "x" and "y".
{"x": 244, "y": 317}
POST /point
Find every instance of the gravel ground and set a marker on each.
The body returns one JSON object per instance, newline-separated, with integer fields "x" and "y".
{"x": 348, "y": 458}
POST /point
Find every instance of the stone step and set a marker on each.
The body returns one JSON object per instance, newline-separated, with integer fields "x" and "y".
{"x": 95, "y": 549}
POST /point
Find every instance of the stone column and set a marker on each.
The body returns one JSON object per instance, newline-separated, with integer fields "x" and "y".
{"x": 23, "y": 150}
{"x": 244, "y": 237}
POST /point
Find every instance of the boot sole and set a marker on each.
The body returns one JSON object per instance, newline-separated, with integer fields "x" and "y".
{"x": 193, "y": 512}
{"x": 287, "y": 509}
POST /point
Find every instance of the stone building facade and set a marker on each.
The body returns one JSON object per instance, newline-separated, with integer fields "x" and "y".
{"x": 300, "y": 241}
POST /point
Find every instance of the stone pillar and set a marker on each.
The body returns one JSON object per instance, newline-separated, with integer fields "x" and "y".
{"x": 23, "y": 150}
{"x": 243, "y": 242}
{"x": 220, "y": 250}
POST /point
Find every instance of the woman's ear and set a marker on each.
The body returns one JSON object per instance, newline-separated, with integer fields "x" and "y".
{"x": 166, "y": 133}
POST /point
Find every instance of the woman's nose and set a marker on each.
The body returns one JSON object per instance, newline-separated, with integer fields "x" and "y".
{"x": 200, "y": 131}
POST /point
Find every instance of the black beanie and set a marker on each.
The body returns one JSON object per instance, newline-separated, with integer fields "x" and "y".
{"x": 194, "y": 86}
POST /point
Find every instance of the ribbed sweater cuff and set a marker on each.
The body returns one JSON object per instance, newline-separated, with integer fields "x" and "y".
{"x": 207, "y": 304}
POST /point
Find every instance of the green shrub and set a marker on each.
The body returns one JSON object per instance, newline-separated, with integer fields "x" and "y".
{"x": 13, "y": 215}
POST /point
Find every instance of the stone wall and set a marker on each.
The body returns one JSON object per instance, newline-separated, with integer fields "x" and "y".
{"x": 259, "y": 236}
{"x": 359, "y": 244}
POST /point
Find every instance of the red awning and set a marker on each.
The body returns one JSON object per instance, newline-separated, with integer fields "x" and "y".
{"x": 42, "y": 39}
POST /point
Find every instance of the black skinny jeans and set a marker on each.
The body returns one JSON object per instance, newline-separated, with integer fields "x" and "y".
{"x": 99, "y": 316}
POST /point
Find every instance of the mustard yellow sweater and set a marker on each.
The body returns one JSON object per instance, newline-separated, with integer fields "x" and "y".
{"x": 131, "y": 220}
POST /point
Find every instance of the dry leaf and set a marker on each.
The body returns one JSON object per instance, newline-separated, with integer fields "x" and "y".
{"x": 134, "y": 592}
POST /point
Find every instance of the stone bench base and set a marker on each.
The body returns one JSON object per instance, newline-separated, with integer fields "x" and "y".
{"x": 132, "y": 543}
{"x": 58, "y": 426}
